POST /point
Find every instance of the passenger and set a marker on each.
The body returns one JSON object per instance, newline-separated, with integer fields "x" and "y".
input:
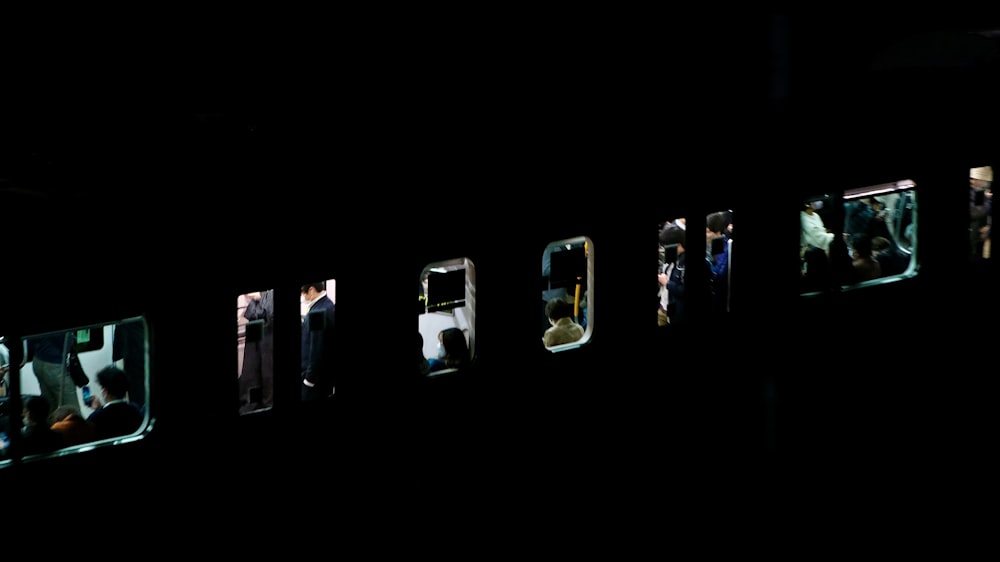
{"x": 115, "y": 416}
{"x": 859, "y": 215}
{"x": 70, "y": 423}
{"x": 718, "y": 227}
{"x": 675, "y": 285}
{"x": 49, "y": 353}
{"x": 453, "y": 351}
{"x": 842, "y": 262}
{"x": 670, "y": 235}
{"x": 813, "y": 232}
{"x": 865, "y": 265}
{"x": 258, "y": 355}
{"x": 980, "y": 211}
{"x": 423, "y": 366}
{"x": 563, "y": 328}
{"x": 891, "y": 259}
{"x": 816, "y": 273}
{"x": 4, "y": 368}
{"x": 36, "y": 435}
{"x": 317, "y": 343}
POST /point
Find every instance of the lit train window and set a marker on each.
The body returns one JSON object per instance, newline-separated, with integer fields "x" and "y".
{"x": 980, "y": 213}
{"x": 255, "y": 350}
{"x": 447, "y": 315}
{"x": 319, "y": 353}
{"x": 674, "y": 261}
{"x": 5, "y": 424}
{"x": 567, "y": 294}
{"x": 862, "y": 236}
{"x": 106, "y": 404}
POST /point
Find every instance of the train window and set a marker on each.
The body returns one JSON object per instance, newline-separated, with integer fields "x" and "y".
{"x": 567, "y": 293}
{"x": 317, "y": 314}
{"x": 4, "y": 400}
{"x": 447, "y": 315}
{"x": 254, "y": 350}
{"x": 108, "y": 405}
{"x": 862, "y": 236}
{"x": 673, "y": 266}
{"x": 980, "y": 213}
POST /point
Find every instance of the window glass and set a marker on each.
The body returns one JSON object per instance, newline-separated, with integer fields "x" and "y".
{"x": 78, "y": 387}
{"x": 255, "y": 350}
{"x": 857, "y": 237}
{"x": 5, "y": 359}
{"x": 447, "y": 315}
{"x": 317, "y": 313}
{"x": 567, "y": 293}
{"x": 674, "y": 261}
{"x": 980, "y": 213}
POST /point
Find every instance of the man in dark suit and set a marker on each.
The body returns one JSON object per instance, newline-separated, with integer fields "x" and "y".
{"x": 114, "y": 415}
{"x": 317, "y": 343}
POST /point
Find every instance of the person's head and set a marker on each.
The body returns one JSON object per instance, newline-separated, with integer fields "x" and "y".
{"x": 862, "y": 246}
{"x": 312, "y": 290}
{"x": 716, "y": 223}
{"x": 455, "y": 349}
{"x": 981, "y": 178}
{"x": 36, "y": 411}
{"x": 880, "y": 244}
{"x": 114, "y": 382}
{"x": 558, "y": 308}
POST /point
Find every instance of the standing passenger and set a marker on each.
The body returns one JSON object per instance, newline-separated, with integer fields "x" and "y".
{"x": 317, "y": 343}
{"x": 49, "y": 353}
{"x": 258, "y": 354}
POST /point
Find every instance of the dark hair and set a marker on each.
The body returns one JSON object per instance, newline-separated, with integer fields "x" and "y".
{"x": 319, "y": 286}
{"x": 862, "y": 245}
{"x": 558, "y": 308}
{"x": 455, "y": 348}
{"x": 880, "y": 243}
{"x": 114, "y": 380}
{"x": 717, "y": 222}
{"x": 671, "y": 234}
{"x": 38, "y": 409}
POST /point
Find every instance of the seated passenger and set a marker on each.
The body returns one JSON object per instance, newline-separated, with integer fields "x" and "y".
{"x": 453, "y": 351}
{"x": 36, "y": 435}
{"x": 564, "y": 329}
{"x": 865, "y": 265}
{"x": 890, "y": 257}
{"x": 116, "y": 416}
{"x": 70, "y": 423}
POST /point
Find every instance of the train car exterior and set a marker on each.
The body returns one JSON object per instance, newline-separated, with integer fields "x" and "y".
{"x": 757, "y": 363}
